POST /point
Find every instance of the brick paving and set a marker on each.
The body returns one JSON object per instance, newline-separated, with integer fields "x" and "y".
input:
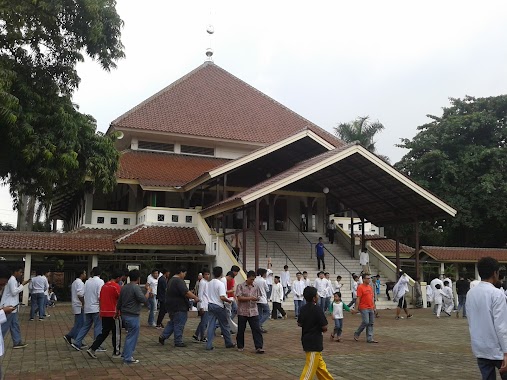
{"x": 419, "y": 348}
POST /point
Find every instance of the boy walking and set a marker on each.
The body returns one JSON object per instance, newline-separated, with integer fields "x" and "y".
{"x": 319, "y": 252}
{"x": 313, "y": 323}
{"x": 277, "y": 300}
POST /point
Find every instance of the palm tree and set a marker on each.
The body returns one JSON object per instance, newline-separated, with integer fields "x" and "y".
{"x": 362, "y": 130}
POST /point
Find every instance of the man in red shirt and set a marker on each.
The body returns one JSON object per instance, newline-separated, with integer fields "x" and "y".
{"x": 366, "y": 306}
{"x": 230, "y": 289}
{"x": 109, "y": 294}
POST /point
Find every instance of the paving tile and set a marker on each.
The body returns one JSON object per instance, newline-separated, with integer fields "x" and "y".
{"x": 419, "y": 348}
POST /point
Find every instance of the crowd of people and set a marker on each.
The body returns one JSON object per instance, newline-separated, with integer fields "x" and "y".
{"x": 115, "y": 305}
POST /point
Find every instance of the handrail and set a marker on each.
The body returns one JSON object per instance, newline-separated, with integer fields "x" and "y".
{"x": 287, "y": 258}
{"x": 233, "y": 250}
{"x": 311, "y": 249}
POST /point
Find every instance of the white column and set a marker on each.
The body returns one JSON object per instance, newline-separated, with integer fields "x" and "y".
{"x": 442, "y": 270}
{"x": 28, "y": 269}
{"x": 477, "y": 277}
{"x": 95, "y": 261}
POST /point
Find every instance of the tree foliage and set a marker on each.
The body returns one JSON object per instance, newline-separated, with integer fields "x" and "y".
{"x": 362, "y": 130}
{"x": 462, "y": 158}
{"x": 47, "y": 143}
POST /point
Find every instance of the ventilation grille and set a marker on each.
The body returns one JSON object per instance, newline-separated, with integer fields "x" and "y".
{"x": 154, "y": 146}
{"x": 189, "y": 149}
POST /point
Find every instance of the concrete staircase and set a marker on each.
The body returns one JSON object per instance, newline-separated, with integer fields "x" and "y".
{"x": 293, "y": 249}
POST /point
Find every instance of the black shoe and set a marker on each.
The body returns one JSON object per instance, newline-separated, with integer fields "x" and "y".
{"x": 180, "y": 345}
{"x": 67, "y": 339}
{"x": 195, "y": 338}
{"x": 231, "y": 346}
{"x": 161, "y": 340}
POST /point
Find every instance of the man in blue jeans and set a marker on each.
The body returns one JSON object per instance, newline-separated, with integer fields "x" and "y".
{"x": 10, "y": 297}
{"x": 37, "y": 298}
{"x": 217, "y": 296}
{"x": 77, "y": 301}
{"x": 176, "y": 302}
{"x": 91, "y": 310}
{"x": 129, "y": 307}
{"x": 462, "y": 288}
{"x": 487, "y": 321}
{"x": 262, "y": 303}
{"x": 366, "y": 305}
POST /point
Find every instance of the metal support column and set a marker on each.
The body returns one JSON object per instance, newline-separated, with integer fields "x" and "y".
{"x": 351, "y": 234}
{"x": 257, "y": 233}
{"x": 363, "y": 241}
{"x": 417, "y": 265}
{"x": 245, "y": 226}
{"x": 398, "y": 266}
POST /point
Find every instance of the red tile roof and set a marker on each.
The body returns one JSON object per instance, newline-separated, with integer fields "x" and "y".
{"x": 161, "y": 236}
{"x": 465, "y": 253}
{"x": 164, "y": 169}
{"x": 389, "y": 245}
{"x": 114, "y": 232}
{"x": 211, "y": 102}
{"x": 57, "y": 242}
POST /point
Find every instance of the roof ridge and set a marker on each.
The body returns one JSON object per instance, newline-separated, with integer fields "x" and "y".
{"x": 446, "y": 247}
{"x": 130, "y": 233}
{"x": 158, "y": 93}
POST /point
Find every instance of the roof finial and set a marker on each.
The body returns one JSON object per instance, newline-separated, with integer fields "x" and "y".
{"x": 209, "y": 51}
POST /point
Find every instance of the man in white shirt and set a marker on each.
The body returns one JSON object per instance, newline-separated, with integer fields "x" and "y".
{"x": 202, "y": 307}
{"x": 432, "y": 284}
{"x": 269, "y": 279}
{"x": 487, "y": 320}
{"x": 45, "y": 276}
{"x": 38, "y": 299}
{"x": 77, "y": 300}
{"x": 217, "y": 296}
{"x": 298, "y": 286}
{"x": 285, "y": 280}
{"x": 152, "y": 282}
{"x": 91, "y": 310}
{"x": 6, "y": 310}
{"x": 10, "y": 297}
{"x": 321, "y": 284}
{"x": 262, "y": 303}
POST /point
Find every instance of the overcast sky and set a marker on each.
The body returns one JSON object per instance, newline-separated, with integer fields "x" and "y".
{"x": 329, "y": 61}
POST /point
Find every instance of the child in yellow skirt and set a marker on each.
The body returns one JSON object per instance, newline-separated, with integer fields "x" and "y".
{"x": 314, "y": 323}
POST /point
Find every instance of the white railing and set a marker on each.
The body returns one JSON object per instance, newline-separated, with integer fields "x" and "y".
{"x": 112, "y": 219}
{"x": 167, "y": 216}
{"x": 215, "y": 246}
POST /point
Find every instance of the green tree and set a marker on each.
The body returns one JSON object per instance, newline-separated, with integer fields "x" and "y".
{"x": 363, "y": 130}
{"x": 47, "y": 143}
{"x": 462, "y": 158}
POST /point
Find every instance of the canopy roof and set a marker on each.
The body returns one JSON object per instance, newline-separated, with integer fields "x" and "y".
{"x": 358, "y": 179}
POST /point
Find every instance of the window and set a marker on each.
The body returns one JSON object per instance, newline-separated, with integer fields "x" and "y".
{"x": 100, "y": 220}
{"x": 200, "y": 150}
{"x": 160, "y": 217}
{"x": 154, "y": 146}
{"x": 126, "y": 221}
{"x": 188, "y": 218}
{"x": 340, "y": 225}
{"x": 114, "y": 220}
{"x": 175, "y": 218}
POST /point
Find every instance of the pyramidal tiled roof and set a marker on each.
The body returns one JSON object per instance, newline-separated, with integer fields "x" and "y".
{"x": 210, "y": 102}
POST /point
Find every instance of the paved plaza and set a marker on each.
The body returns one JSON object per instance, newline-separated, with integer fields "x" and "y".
{"x": 419, "y": 348}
